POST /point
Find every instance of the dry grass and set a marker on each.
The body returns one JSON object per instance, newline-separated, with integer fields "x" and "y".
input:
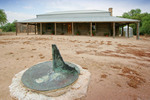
{"x": 104, "y": 76}
{"x": 73, "y": 41}
{"x": 10, "y": 53}
{"x": 38, "y": 38}
{"x": 121, "y": 45}
{"x": 41, "y": 56}
{"x": 109, "y": 43}
{"x": 33, "y": 49}
{"x": 102, "y": 42}
{"x": 80, "y": 52}
{"x": 26, "y": 42}
{"x": 17, "y": 58}
{"x": 129, "y": 71}
{"x": 87, "y": 41}
{"x": 4, "y": 42}
{"x": 137, "y": 52}
{"x": 108, "y": 51}
{"x": 31, "y": 56}
{"x": 134, "y": 81}
{"x": 118, "y": 85}
{"x": 91, "y": 46}
{"x": 134, "y": 78}
{"x": 21, "y": 48}
{"x": 115, "y": 67}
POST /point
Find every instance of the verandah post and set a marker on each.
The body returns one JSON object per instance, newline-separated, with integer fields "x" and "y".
{"x": 137, "y": 31}
{"x": 41, "y": 28}
{"x": 27, "y": 29}
{"x": 55, "y": 28}
{"x": 72, "y": 29}
{"x": 128, "y": 30}
{"x": 35, "y": 27}
{"x": 16, "y": 28}
{"x": 122, "y": 31}
{"x": 91, "y": 28}
{"x": 114, "y": 31}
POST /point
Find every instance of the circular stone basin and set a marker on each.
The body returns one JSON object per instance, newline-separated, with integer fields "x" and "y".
{"x": 41, "y": 77}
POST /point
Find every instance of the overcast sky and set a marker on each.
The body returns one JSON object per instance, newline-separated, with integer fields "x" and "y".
{"x": 26, "y": 9}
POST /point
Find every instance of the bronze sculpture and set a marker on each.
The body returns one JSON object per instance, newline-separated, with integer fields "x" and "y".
{"x": 51, "y": 75}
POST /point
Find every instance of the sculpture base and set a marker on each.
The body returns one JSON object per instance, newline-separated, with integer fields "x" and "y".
{"x": 74, "y": 91}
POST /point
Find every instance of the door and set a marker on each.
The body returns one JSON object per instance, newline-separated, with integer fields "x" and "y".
{"x": 69, "y": 28}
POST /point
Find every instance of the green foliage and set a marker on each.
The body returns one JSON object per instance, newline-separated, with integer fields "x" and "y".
{"x": 52, "y": 32}
{"x": 144, "y": 20}
{"x": 125, "y": 15}
{"x": 134, "y": 28}
{"x": 3, "y": 17}
{"x": 106, "y": 34}
{"x": 145, "y": 24}
{"x": 131, "y": 14}
{"x": 9, "y": 27}
{"x": 78, "y": 33}
{"x": 93, "y": 33}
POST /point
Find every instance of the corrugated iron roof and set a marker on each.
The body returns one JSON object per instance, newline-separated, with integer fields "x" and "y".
{"x": 79, "y": 19}
{"x": 78, "y": 16}
{"x": 75, "y": 12}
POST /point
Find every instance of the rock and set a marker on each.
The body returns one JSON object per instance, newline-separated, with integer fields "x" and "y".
{"x": 72, "y": 92}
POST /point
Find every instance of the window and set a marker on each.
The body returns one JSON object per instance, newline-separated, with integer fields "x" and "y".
{"x": 49, "y": 26}
{"x": 93, "y": 26}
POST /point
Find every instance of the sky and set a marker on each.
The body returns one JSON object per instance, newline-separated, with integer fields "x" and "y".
{"x": 27, "y": 9}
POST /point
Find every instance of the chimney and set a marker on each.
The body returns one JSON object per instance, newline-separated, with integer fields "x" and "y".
{"x": 110, "y": 10}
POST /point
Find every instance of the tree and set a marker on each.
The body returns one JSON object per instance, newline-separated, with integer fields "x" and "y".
{"x": 143, "y": 17}
{"x": 132, "y": 13}
{"x": 3, "y": 17}
{"x": 145, "y": 24}
{"x": 9, "y": 27}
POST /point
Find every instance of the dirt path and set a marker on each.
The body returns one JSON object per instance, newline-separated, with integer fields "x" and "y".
{"x": 120, "y": 67}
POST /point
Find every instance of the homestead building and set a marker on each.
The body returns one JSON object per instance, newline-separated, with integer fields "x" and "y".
{"x": 81, "y": 22}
